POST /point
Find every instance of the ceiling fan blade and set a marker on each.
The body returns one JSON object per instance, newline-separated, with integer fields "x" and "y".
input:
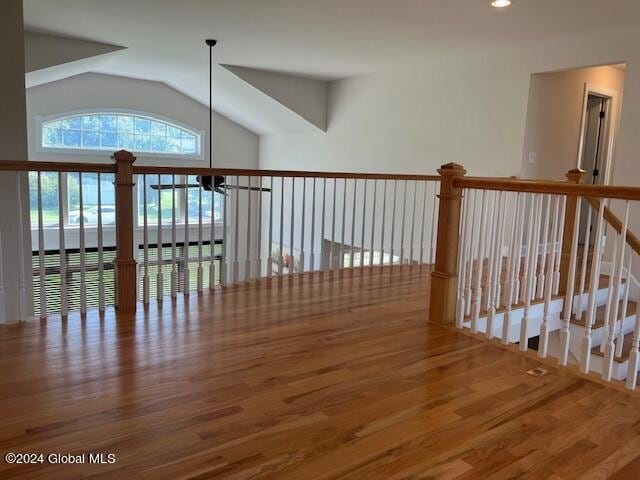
{"x": 177, "y": 186}
{"x": 254, "y": 189}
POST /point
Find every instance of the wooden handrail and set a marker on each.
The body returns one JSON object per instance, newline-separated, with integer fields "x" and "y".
{"x": 151, "y": 170}
{"x": 616, "y": 223}
{"x": 29, "y": 166}
{"x": 551, "y": 187}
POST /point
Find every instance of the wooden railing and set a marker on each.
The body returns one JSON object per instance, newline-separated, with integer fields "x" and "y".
{"x": 169, "y": 239}
{"x": 513, "y": 262}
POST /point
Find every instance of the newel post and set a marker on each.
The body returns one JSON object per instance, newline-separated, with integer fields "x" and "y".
{"x": 125, "y": 263}
{"x": 442, "y": 303}
{"x": 575, "y": 176}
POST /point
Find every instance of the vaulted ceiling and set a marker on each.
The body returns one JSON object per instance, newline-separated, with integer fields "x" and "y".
{"x": 309, "y": 41}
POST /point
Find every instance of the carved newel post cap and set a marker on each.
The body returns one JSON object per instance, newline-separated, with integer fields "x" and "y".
{"x": 575, "y": 175}
{"x": 452, "y": 169}
{"x": 124, "y": 156}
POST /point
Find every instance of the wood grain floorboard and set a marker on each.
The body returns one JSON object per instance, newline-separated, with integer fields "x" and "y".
{"x": 321, "y": 376}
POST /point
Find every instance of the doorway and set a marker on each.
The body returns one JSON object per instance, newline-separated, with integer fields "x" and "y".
{"x": 595, "y": 154}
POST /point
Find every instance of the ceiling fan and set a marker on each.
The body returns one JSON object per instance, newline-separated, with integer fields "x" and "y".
{"x": 217, "y": 183}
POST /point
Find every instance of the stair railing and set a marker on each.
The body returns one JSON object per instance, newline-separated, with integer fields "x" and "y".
{"x": 513, "y": 263}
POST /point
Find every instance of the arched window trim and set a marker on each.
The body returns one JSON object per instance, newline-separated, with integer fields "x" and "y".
{"x": 41, "y": 120}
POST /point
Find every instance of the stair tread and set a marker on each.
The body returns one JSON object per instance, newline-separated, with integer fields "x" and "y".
{"x": 600, "y": 314}
{"x": 626, "y": 349}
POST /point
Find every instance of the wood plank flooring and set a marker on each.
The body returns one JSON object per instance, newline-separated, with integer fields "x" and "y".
{"x": 323, "y": 376}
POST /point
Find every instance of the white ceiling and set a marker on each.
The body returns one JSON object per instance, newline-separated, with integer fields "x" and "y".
{"x": 323, "y": 39}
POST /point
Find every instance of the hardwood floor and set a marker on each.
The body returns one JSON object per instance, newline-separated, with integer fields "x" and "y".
{"x": 324, "y": 376}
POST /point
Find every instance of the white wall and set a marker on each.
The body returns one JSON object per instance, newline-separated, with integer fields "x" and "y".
{"x": 554, "y": 118}
{"x": 470, "y": 110}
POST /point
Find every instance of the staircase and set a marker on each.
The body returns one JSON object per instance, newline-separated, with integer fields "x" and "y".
{"x": 547, "y": 266}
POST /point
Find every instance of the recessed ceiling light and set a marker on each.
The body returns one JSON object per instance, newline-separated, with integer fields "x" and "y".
{"x": 500, "y": 3}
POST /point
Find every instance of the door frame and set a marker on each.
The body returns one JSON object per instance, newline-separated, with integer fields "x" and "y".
{"x": 611, "y": 124}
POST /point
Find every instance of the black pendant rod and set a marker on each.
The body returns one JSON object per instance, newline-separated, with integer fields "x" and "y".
{"x": 211, "y": 43}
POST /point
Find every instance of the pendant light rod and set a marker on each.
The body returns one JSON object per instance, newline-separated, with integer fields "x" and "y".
{"x": 211, "y": 43}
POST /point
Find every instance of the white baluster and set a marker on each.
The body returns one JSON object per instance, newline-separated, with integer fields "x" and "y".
{"x": 186, "y": 271}
{"x": 494, "y": 263}
{"x": 64, "y": 306}
{"x": 632, "y": 368}
{"x": 585, "y": 350}
{"x": 413, "y": 221}
{"x": 333, "y": 226}
{"x": 545, "y": 242}
{"x": 353, "y": 220}
{"x": 344, "y": 215}
{"x": 212, "y": 240}
{"x": 236, "y": 234}
{"x": 312, "y": 255}
{"x": 462, "y": 259}
{"x": 609, "y": 353}
{"x": 536, "y": 247}
{"x": 199, "y": 271}
{"x": 292, "y": 261}
{"x": 404, "y": 210}
{"x": 422, "y": 224}
{"x": 610, "y": 299}
{"x": 22, "y": 286}
{"x": 583, "y": 269}
{"x": 145, "y": 236}
{"x": 513, "y": 262}
{"x": 548, "y": 287}
{"x": 489, "y": 248}
{"x": 498, "y": 269}
{"x": 373, "y": 220}
{"x": 281, "y": 259}
{"x": 270, "y": 244}
{"x": 384, "y": 212}
{"x": 476, "y": 303}
{"x": 323, "y": 266}
{"x": 174, "y": 267}
{"x": 302, "y": 222}
{"x": 565, "y": 331}
{"x": 625, "y": 304}
{"x": 83, "y": 250}
{"x": 470, "y": 255}
{"x": 393, "y": 221}
{"x": 558, "y": 246}
{"x": 159, "y": 274}
{"x": 247, "y": 262}
{"x": 434, "y": 224}
{"x": 101, "y": 296}
{"x": 364, "y": 217}
{"x": 41, "y": 256}
{"x": 259, "y": 235}
{"x": 529, "y": 269}
{"x": 520, "y": 265}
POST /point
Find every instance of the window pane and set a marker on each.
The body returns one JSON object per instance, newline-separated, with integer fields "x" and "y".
{"x": 108, "y": 123}
{"x": 49, "y": 193}
{"x": 91, "y": 122}
{"x": 126, "y": 141}
{"x": 143, "y": 143}
{"x": 71, "y": 123}
{"x": 158, "y": 144}
{"x": 71, "y": 138}
{"x": 189, "y": 144}
{"x": 108, "y": 139}
{"x": 143, "y": 126}
{"x": 173, "y": 145}
{"x": 125, "y": 123}
{"x": 90, "y": 139}
{"x": 158, "y": 128}
{"x": 51, "y": 137}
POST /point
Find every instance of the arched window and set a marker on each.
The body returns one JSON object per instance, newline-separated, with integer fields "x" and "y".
{"x": 111, "y": 131}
